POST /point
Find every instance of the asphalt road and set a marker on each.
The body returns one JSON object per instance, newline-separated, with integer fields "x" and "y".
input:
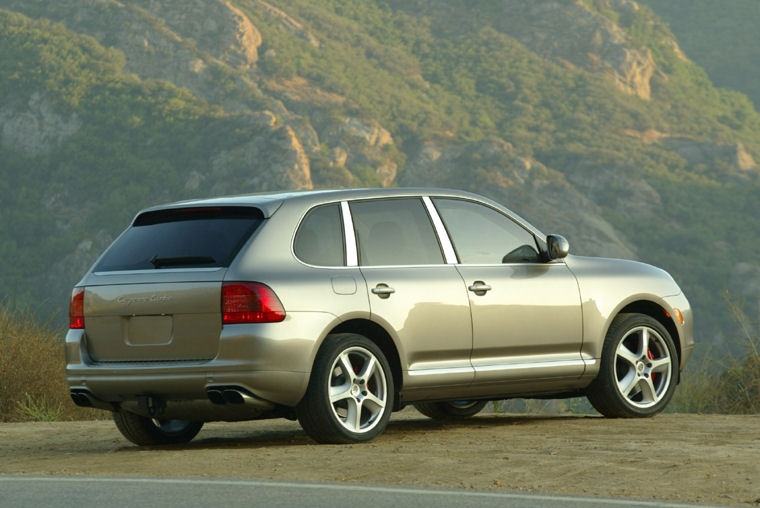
{"x": 79, "y": 492}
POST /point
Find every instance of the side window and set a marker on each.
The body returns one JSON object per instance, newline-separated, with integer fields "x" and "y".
{"x": 395, "y": 232}
{"x": 482, "y": 235}
{"x": 320, "y": 240}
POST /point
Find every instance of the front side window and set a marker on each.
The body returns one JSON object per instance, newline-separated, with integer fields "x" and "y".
{"x": 182, "y": 238}
{"x": 319, "y": 239}
{"x": 482, "y": 235}
{"x": 395, "y": 232}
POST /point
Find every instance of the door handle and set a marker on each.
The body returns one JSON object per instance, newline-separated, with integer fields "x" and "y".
{"x": 479, "y": 287}
{"x": 383, "y": 290}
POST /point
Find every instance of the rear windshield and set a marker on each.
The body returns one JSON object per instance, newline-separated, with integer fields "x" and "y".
{"x": 181, "y": 238}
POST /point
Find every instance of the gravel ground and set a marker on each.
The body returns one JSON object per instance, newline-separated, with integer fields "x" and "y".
{"x": 697, "y": 458}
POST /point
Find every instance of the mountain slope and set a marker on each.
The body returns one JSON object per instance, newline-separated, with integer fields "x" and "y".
{"x": 584, "y": 116}
{"x": 84, "y": 145}
{"x": 719, "y": 36}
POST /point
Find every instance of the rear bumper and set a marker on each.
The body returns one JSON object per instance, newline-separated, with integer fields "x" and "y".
{"x": 272, "y": 361}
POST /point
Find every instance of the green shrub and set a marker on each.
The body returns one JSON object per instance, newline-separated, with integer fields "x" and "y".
{"x": 39, "y": 410}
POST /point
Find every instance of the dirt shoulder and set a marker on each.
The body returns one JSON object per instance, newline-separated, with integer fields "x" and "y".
{"x": 698, "y": 458}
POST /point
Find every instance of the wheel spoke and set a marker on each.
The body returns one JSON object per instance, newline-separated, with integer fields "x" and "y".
{"x": 357, "y": 415}
{"x": 648, "y": 391}
{"x": 661, "y": 364}
{"x": 374, "y": 400}
{"x": 348, "y": 369}
{"x": 628, "y": 383}
{"x": 644, "y": 342}
{"x": 628, "y": 355}
{"x": 349, "y": 418}
{"x": 340, "y": 392}
{"x": 369, "y": 367}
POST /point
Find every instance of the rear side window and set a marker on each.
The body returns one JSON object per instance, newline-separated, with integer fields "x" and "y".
{"x": 395, "y": 232}
{"x": 181, "y": 238}
{"x": 320, "y": 240}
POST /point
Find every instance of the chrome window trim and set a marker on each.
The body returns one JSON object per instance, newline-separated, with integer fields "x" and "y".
{"x": 538, "y": 237}
{"x": 324, "y": 267}
{"x": 509, "y": 214}
{"x": 443, "y": 236}
{"x": 439, "y": 265}
{"x": 352, "y": 257}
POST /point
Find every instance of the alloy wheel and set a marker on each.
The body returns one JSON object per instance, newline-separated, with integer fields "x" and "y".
{"x": 643, "y": 367}
{"x": 357, "y": 389}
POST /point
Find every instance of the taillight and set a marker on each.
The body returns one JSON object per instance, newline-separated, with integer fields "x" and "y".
{"x": 76, "y": 308}
{"x": 250, "y": 302}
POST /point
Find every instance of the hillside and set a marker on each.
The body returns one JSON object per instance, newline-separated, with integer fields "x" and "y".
{"x": 584, "y": 116}
{"x": 721, "y": 37}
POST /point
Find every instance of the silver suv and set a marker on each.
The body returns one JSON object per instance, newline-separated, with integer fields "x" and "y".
{"x": 339, "y": 307}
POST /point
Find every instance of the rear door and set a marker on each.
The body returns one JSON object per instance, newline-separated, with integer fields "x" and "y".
{"x": 413, "y": 291}
{"x": 155, "y": 295}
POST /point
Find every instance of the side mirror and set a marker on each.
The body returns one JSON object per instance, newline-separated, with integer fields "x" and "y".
{"x": 557, "y": 246}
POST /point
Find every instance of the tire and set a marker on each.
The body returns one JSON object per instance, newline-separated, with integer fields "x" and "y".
{"x": 638, "y": 371}
{"x": 450, "y": 410}
{"x": 350, "y": 394}
{"x": 144, "y": 431}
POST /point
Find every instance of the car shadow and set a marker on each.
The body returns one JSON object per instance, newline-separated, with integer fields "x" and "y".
{"x": 489, "y": 420}
{"x": 261, "y": 438}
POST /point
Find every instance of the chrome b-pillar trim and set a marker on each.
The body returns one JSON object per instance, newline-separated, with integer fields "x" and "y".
{"x": 352, "y": 258}
{"x": 440, "y": 229}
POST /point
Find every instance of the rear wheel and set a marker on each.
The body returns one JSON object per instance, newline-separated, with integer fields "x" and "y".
{"x": 450, "y": 410}
{"x": 150, "y": 431}
{"x": 638, "y": 371}
{"x": 350, "y": 393}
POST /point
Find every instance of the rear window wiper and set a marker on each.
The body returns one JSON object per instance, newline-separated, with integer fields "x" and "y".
{"x": 158, "y": 262}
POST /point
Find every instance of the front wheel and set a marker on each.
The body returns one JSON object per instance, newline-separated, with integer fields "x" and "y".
{"x": 639, "y": 369}
{"x": 450, "y": 410}
{"x": 149, "y": 431}
{"x": 350, "y": 393}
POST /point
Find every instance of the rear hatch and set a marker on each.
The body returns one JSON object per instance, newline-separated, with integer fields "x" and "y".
{"x": 155, "y": 295}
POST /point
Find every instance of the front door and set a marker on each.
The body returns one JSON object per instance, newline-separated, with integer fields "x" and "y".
{"x": 526, "y": 313}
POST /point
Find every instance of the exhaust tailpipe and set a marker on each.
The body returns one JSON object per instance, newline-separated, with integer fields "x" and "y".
{"x": 232, "y": 395}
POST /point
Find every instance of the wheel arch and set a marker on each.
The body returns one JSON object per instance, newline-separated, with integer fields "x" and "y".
{"x": 606, "y": 393}
{"x": 384, "y": 341}
{"x": 656, "y": 312}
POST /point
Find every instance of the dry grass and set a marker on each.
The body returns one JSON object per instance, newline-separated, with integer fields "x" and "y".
{"x": 733, "y": 390}
{"x": 733, "y": 387}
{"x": 33, "y": 380}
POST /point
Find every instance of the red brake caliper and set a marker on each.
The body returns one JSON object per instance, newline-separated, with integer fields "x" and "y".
{"x": 356, "y": 371}
{"x": 651, "y": 357}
